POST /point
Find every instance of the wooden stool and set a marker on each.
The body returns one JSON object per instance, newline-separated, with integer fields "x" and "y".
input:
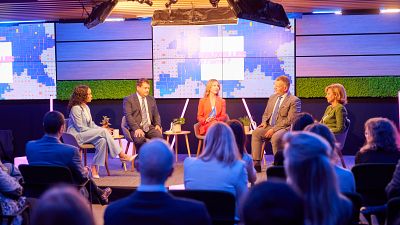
{"x": 170, "y": 133}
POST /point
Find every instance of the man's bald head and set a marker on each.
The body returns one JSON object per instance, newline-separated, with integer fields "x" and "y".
{"x": 155, "y": 162}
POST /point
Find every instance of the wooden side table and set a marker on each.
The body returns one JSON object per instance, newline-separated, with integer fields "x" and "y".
{"x": 170, "y": 133}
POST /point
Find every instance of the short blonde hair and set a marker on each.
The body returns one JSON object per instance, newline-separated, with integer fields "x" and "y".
{"x": 220, "y": 144}
{"x": 339, "y": 91}
{"x": 208, "y": 87}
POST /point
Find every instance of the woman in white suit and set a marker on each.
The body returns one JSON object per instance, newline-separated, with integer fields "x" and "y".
{"x": 85, "y": 130}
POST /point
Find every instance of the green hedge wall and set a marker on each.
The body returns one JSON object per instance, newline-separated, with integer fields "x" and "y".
{"x": 305, "y": 87}
{"x": 101, "y": 89}
{"x": 355, "y": 86}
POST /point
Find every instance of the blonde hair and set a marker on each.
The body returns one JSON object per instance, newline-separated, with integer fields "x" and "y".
{"x": 309, "y": 169}
{"x": 208, "y": 87}
{"x": 339, "y": 91}
{"x": 220, "y": 144}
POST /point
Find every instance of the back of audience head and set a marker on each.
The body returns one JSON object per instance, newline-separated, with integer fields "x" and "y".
{"x": 273, "y": 203}
{"x": 53, "y": 122}
{"x": 382, "y": 134}
{"x": 155, "y": 162}
{"x": 301, "y": 121}
{"x": 240, "y": 136}
{"x": 307, "y": 165}
{"x": 62, "y": 205}
{"x": 323, "y": 131}
{"x": 219, "y": 144}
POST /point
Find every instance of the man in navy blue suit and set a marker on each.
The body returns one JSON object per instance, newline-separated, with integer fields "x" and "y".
{"x": 50, "y": 151}
{"x": 151, "y": 203}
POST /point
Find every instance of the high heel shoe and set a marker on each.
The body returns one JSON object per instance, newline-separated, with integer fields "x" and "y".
{"x": 128, "y": 158}
{"x": 95, "y": 174}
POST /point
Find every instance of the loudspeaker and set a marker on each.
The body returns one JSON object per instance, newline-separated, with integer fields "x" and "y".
{"x": 262, "y": 11}
{"x": 100, "y": 13}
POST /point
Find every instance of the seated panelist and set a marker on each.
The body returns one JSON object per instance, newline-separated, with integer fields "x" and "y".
{"x": 81, "y": 125}
{"x": 141, "y": 113}
{"x": 335, "y": 116}
{"x": 212, "y": 108}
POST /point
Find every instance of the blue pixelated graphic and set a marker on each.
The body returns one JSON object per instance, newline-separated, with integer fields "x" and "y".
{"x": 28, "y": 43}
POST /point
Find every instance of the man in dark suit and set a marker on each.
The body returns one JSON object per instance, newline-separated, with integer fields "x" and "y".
{"x": 151, "y": 203}
{"x": 50, "y": 151}
{"x": 141, "y": 113}
{"x": 277, "y": 118}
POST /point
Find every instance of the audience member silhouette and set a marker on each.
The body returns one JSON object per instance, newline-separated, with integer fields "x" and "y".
{"x": 272, "y": 203}
{"x": 62, "y": 205}
{"x": 240, "y": 137}
{"x": 301, "y": 120}
{"x": 50, "y": 151}
{"x": 345, "y": 177}
{"x": 11, "y": 199}
{"x": 151, "y": 203}
{"x": 308, "y": 168}
{"x": 381, "y": 142}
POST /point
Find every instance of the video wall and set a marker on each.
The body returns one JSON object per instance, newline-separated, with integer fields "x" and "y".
{"x": 27, "y": 61}
{"x": 246, "y": 58}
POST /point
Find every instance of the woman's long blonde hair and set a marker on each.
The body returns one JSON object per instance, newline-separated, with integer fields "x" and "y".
{"x": 220, "y": 144}
{"x": 208, "y": 87}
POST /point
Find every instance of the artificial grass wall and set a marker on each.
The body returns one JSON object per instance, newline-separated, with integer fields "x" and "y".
{"x": 101, "y": 89}
{"x": 355, "y": 86}
{"x": 311, "y": 87}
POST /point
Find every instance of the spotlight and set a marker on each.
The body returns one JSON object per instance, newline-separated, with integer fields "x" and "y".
{"x": 214, "y": 3}
{"x": 170, "y": 2}
{"x": 100, "y": 13}
{"x": 148, "y": 2}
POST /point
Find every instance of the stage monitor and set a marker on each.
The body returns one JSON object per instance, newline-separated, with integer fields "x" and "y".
{"x": 262, "y": 11}
{"x": 27, "y": 61}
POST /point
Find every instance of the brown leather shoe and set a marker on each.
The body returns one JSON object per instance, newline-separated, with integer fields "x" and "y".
{"x": 104, "y": 196}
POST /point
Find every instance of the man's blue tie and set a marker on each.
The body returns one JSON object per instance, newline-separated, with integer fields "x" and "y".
{"x": 275, "y": 112}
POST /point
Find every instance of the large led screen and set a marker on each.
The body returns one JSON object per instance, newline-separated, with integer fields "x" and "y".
{"x": 27, "y": 61}
{"x": 246, "y": 58}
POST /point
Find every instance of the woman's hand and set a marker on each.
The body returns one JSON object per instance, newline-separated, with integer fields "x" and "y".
{"x": 210, "y": 119}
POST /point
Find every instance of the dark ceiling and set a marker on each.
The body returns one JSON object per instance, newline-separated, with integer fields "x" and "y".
{"x": 54, "y": 10}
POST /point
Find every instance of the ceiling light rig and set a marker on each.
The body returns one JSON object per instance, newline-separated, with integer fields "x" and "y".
{"x": 214, "y": 3}
{"x": 148, "y": 2}
{"x": 170, "y": 2}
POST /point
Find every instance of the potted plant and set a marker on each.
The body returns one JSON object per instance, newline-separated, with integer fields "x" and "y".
{"x": 105, "y": 122}
{"x": 176, "y": 125}
{"x": 246, "y": 123}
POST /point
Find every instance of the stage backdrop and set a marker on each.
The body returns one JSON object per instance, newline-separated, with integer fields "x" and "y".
{"x": 246, "y": 58}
